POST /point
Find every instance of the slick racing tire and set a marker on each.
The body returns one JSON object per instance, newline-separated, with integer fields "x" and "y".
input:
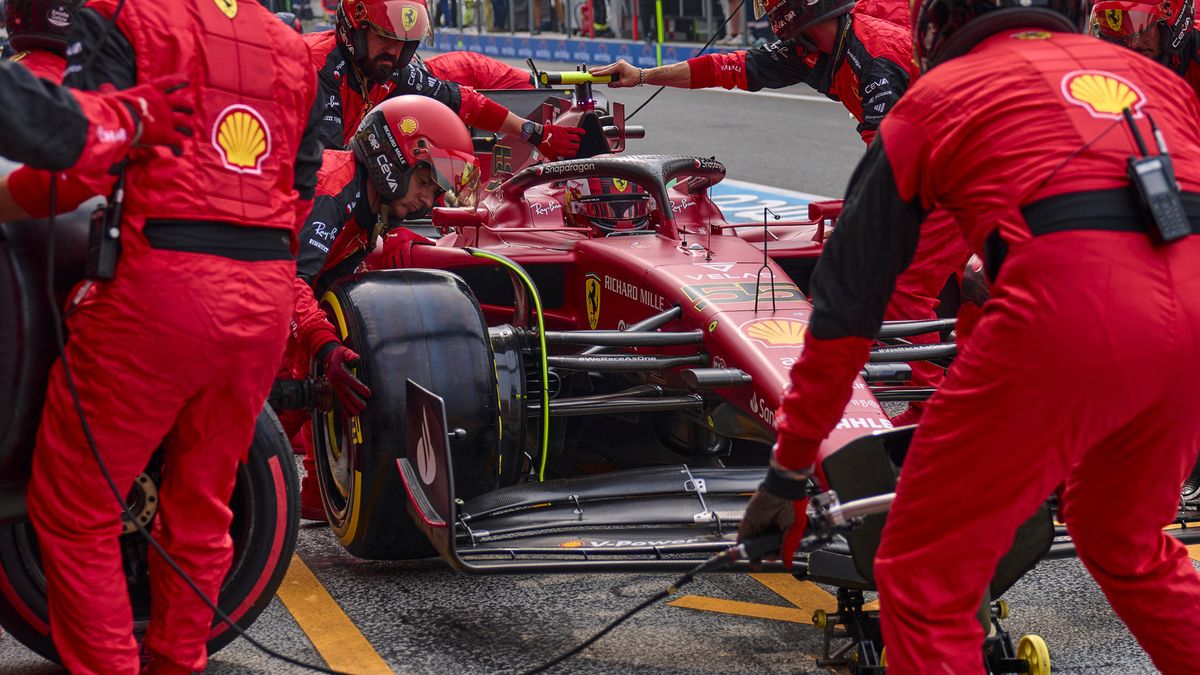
{"x": 266, "y": 517}
{"x": 423, "y": 325}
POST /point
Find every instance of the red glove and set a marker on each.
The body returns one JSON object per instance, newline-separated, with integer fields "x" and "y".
{"x": 351, "y": 393}
{"x": 161, "y": 111}
{"x": 557, "y": 142}
{"x": 779, "y": 504}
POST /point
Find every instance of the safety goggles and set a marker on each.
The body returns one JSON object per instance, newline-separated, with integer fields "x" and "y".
{"x": 404, "y": 20}
{"x": 1123, "y": 21}
{"x": 455, "y": 173}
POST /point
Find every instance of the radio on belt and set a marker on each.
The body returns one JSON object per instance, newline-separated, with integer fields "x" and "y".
{"x": 1153, "y": 180}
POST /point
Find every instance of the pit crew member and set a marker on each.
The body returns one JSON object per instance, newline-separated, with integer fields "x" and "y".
{"x": 478, "y": 71}
{"x": 1164, "y": 31}
{"x": 1078, "y": 279}
{"x": 855, "y": 58}
{"x": 368, "y": 57}
{"x": 38, "y": 31}
{"x": 358, "y": 193}
{"x": 179, "y": 347}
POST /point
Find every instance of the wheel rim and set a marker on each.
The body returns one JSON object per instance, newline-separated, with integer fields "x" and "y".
{"x": 134, "y": 550}
{"x": 1032, "y": 649}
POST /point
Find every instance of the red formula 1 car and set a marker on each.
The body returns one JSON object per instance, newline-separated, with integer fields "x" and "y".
{"x": 581, "y": 372}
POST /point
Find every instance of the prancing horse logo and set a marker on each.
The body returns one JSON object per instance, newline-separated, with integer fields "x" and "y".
{"x": 591, "y": 292}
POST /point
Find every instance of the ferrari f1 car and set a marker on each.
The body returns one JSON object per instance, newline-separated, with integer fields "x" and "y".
{"x": 265, "y": 501}
{"x": 581, "y": 372}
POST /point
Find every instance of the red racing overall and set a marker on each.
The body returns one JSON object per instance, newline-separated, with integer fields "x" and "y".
{"x": 478, "y": 71}
{"x": 868, "y": 73}
{"x": 1072, "y": 377}
{"x": 332, "y": 241}
{"x": 344, "y": 101}
{"x": 180, "y": 349}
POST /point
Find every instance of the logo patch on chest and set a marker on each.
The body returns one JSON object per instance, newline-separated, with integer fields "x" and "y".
{"x": 1102, "y": 94}
{"x": 242, "y": 138}
{"x": 228, "y": 7}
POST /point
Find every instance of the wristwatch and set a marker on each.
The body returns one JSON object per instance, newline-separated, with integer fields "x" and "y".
{"x": 531, "y": 132}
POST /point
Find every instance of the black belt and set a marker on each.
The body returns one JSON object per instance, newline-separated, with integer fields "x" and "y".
{"x": 236, "y": 242}
{"x": 1103, "y": 210}
{"x": 1095, "y": 210}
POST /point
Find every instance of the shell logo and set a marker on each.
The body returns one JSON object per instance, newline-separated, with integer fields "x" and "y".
{"x": 409, "y": 126}
{"x": 242, "y": 138}
{"x": 1102, "y": 94}
{"x": 776, "y": 332}
{"x": 574, "y": 543}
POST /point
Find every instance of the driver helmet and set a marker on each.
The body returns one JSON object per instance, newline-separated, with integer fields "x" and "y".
{"x": 404, "y": 20}
{"x": 608, "y": 206}
{"x": 1124, "y": 22}
{"x": 405, "y": 132}
{"x": 790, "y": 18}
{"x": 945, "y": 29}
{"x": 39, "y": 24}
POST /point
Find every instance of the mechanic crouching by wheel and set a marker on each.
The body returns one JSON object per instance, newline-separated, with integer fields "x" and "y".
{"x": 368, "y": 57}
{"x": 1082, "y": 277}
{"x": 38, "y": 30}
{"x": 174, "y": 342}
{"x": 409, "y": 151}
{"x": 865, "y": 63}
{"x": 1163, "y": 31}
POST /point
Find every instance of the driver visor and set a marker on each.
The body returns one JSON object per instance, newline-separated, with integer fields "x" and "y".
{"x": 1123, "y": 21}
{"x": 455, "y": 173}
{"x": 405, "y": 20}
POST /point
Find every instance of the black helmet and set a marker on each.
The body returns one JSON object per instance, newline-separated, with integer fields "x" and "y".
{"x": 39, "y": 24}
{"x": 791, "y": 17}
{"x": 945, "y": 29}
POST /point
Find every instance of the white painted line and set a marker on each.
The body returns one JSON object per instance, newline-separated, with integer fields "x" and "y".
{"x": 779, "y": 192}
{"x": 773, "y": 94}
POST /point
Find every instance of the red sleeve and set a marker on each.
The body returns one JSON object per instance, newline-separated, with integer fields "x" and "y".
{"x": 45, "y": 64}
{"x": 310, "y": 326}
{"x": 822, "y": 382}
{"x": 480, "y": 111}
{"x": 726, "y": 70}
{"x": 109, "y": 139}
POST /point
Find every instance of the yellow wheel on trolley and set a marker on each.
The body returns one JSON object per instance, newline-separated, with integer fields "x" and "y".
{"x": 1032, "y": 649}
{"x": 820, "y": 619}
{"x": 883, "y": 657}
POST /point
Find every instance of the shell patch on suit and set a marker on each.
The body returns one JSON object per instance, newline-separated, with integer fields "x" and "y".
{"x": 242, "y": 138}
{"x": 1102, "y": 94}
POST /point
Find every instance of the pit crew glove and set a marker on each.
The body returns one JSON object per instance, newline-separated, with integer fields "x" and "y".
{"x": 351, "y": 393}
{"x": 161, "y": 111}
{"x": 780, "y": 503}
{"x": 556, "y": 142}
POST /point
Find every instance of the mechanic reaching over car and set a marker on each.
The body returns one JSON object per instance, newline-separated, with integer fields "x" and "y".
{"x": 368, "y": 57}
{"x": 478, "y": 71}
{"x": 409, "y": 151}
{"x": 1086, "y": 238}
{"x": 864, "y": 62}
{"x": 38, "y": 32}
{"x": 1164, "y": 31}
{"x": 175, "y": 342}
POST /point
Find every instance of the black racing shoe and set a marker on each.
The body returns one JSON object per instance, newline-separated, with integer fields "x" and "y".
{"x": 1191, "y": 487}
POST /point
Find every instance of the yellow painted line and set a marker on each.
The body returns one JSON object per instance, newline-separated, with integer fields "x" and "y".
{"x": 332, "y": 632}
{"x": 872, "y": 606}
{"x": 751, "y": 609}
{"x": 1194, "y": 551}
{"x": 804, "y": 594}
